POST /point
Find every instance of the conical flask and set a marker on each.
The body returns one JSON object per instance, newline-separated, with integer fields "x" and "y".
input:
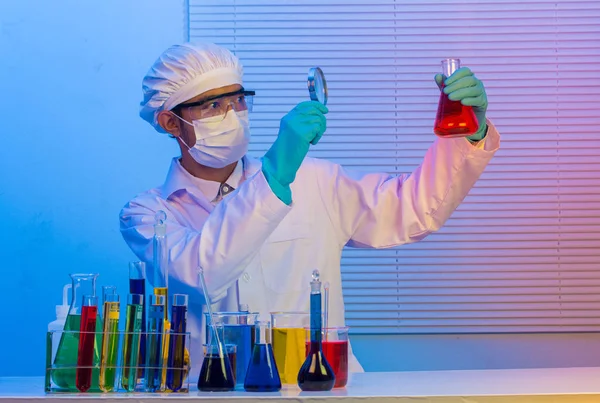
{"x": 239, "y": 330}
{"x": 216, "y": 374}
{"x": 316, "y": 373}
{"x": 453, "y": 119}
{"x": 262, "y": 374}
{"x": 65, "y": 362}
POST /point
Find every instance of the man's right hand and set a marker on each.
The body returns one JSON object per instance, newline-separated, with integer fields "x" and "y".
{"x": 302, "y": 126}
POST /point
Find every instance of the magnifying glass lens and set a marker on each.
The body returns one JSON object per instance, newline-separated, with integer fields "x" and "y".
{"x": 317, "y": 86}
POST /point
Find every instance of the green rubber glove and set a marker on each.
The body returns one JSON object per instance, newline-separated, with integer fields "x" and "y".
{"x": 302, "y": 126}
{"x": 463, "y": 86}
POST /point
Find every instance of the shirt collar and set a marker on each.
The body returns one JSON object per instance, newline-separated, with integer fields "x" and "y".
{"x": 212, "y": 190}
{"x": 178, "y": 178}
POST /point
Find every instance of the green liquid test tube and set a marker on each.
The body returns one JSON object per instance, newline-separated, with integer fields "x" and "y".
{"x": 110, "y": 343}
{"x": 131, "y": 343}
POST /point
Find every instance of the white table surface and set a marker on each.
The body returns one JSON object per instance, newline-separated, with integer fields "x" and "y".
{"x": 556, "y": 385}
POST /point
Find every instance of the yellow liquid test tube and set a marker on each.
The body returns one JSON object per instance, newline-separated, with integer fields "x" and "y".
{"x": 110, "y": 344}
{"x": 164, "y": 291}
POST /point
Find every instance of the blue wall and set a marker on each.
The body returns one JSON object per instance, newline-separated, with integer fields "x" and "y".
{"x": 73, "y": 150}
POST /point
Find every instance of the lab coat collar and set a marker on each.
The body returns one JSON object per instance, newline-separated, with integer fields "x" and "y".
{"x": 178, "y": 178}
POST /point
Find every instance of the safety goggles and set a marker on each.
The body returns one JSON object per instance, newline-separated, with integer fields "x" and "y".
{"x": 241, "y": 100}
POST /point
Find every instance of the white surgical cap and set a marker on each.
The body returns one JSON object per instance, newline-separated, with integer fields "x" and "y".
{"x": 183, "y": 72}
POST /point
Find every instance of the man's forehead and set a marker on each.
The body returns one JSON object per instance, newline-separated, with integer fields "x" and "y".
{"x": 215, "y": 92}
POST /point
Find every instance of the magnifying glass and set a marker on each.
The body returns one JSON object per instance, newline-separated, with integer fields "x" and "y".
{"x": 317, "y": 86}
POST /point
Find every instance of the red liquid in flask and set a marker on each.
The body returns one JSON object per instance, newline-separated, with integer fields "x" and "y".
{"x": 85, "y": 351}
{"x": 454, "y": 119}
{"x": 336, "y": 353}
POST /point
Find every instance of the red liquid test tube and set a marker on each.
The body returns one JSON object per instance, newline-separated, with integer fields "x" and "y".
{"x": 87, "y": 337}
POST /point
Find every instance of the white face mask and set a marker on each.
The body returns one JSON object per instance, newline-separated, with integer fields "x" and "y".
{"x": 220, "y": 142}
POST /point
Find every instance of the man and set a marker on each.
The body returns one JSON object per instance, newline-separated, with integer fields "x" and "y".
{"x": 258, "y": 228}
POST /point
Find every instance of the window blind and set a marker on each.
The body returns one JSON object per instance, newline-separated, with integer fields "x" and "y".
{"x": 521, "y": 254}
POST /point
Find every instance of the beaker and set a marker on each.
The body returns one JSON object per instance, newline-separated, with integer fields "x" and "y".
{"x": 85, "y": 349}
{"x": 453, "y": 119}
{"x": 335, "y": 349}
{"x": 137, "y": 285}
{"x": 238, "y": 329}
{"x": 262, "y": 374}
{"x": 65, "y": 361}
{"x": 216, "y": 374}
{"x": 289, "y": 343}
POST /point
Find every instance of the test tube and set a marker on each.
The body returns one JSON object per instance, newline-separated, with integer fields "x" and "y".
{"x": 87, "y": 337}
{"x": 131, "y": 344}
{"x": 106, "y": 290}
{"x": 160, "y": 263}
{"x": 110, "y": 343}
{"x": 175, "y": 367}
{"x": 163, "y": 291}
{"x": 154, "y": 342}
{"x": 137, "y": 285}
{"x": 160, "y": 258}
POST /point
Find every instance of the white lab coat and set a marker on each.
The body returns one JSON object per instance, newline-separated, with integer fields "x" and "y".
{"x": 270, "y": 249}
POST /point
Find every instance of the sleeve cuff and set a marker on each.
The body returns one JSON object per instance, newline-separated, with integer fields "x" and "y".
{"x": 264, "y": 192}
{"x": 283, "y": 193}
{"x": 490, "y": 143}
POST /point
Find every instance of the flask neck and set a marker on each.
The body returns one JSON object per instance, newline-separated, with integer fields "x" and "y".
{"x": 262, "y": 332}
{"x": 449, "y": 66}
{"x": 315, "y": 318}
{"x": 315, "y": 346}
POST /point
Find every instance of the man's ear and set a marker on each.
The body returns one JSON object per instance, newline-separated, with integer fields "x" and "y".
{"x": 169, "y": 122}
